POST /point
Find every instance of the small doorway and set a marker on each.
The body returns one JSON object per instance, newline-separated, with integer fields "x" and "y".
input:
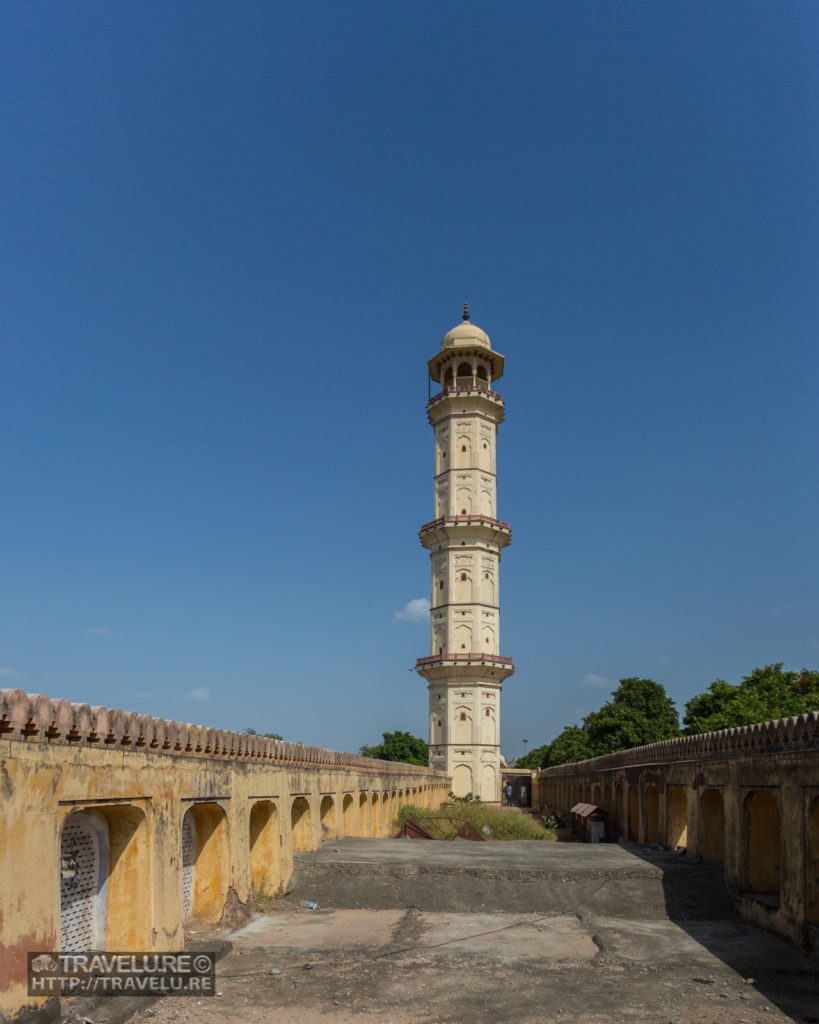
{"x": 521, "y": 790}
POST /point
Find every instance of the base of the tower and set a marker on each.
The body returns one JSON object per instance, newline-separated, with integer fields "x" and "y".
{"x": 464, "y": 733}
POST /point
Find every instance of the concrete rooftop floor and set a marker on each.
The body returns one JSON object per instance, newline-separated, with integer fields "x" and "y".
{"x": 414, "y": 932}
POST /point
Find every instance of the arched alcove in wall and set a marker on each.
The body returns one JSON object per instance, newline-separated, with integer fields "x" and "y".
{"x": 677, "y": 818}
{"x": 328, "y": 817}
{"x": 652, "y": 814}
{"x": 712, "y": 817}
{"x": 265, "y": 847}
{"x": 348, "y": 815}
{"x": 633, "y": 813}
{"x": 205, "y": 862}
{"x": 812, "y": 895}
{"x": 462, "y": 779}
{"x": 763, "y": 843}
{"x": 301, "y": 826}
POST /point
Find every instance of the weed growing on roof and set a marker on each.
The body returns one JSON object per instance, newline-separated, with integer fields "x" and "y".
{"x": 494, "y": 824}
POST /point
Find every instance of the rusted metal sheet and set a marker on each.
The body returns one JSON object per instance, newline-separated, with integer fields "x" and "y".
{"x": 412, "y": 829}
{"x": 468, "y": 831}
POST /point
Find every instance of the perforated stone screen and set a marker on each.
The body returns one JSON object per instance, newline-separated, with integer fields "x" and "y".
{"x": 80, "y": 908}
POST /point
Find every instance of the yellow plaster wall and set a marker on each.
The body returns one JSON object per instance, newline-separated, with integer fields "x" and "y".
{"x": 747, "y": 796}
{"x": 141, "y": 775}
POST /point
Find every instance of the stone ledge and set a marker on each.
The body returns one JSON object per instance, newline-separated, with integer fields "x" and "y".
{"x": 37, "y": 718}
{"x": 782, "y": 735}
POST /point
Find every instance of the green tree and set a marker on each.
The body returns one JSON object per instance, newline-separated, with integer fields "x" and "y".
{"x": 639, "y": 712}
{"x": 767, "y": 693}
{"x": 537, "y": 758}
{"x": 267, "y": 735}
{"x": 571, "y": 745}
{"x": 399, "y": 746}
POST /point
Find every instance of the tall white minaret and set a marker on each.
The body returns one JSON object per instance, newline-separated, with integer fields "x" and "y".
{"x": 464, "y": 670}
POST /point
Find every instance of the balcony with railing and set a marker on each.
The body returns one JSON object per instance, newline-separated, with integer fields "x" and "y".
{"x": 473, "y": 658}
{"x": 496, "y": 524}
{"x": 465, "y": 386}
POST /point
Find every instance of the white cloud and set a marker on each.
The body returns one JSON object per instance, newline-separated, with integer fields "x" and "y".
{"x": 97, "y": 631}
{"x": 144, "y": 695}
{"x": 203, "y": 693}
{"x": 599, "y": 682}
{"x": 665, "y": 660}
{"x": 813, "y": 642}
{"x": 7, "y": 673}
{"x": 413, "y": 611}
{"x": 784, "y": 610}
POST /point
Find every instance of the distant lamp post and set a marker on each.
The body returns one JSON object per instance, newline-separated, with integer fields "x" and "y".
{"x": 524, "y": 742}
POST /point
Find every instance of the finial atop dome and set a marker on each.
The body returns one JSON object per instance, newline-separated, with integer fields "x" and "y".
{"x": 466, "y": 311}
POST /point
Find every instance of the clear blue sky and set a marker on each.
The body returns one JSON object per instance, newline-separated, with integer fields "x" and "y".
{"x": 232, "y": 235}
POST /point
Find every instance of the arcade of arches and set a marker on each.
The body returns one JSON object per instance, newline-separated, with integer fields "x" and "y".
{"x": 195, "y": 834}
{"x": 746, "y": 797}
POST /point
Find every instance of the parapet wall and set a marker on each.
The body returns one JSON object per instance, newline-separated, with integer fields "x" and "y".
{"x": 37, "y": 718}
{"x": 748, "y": 797}
{"x": 783, "y": 734}
{"x": 115, "y": 827}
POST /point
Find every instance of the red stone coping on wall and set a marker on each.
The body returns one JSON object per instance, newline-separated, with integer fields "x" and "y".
{"x": 781, "y": 735}
{"x": 36, "y": 718}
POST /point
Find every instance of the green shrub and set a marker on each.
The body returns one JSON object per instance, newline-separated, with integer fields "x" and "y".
{"x": 495, "y": 825}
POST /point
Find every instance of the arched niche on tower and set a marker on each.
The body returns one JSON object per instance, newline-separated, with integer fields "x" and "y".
{"x": 436, "y": 726}
{"x": 463, "y": 586}
{"x": 489, "y": 783}
{"x": 488, "y": 640}
{"x": 441, "y": 500}
{"x": 463, "y": 638}
{"x": 462, "y": 724}
{"x": 442, "y": 454}
{"x": 485, "y": 453}
{"x": 463, "y": 501}
{"x": 463, "y": 451}
{"x": 488, "y": 586}
{"x": 489, "y": 727}
{"x": 462, "y": 779}
{"x": 439, "y": 589}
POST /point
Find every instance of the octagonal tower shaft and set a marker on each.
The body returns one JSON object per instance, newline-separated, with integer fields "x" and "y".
{"x": 465, "y": 670}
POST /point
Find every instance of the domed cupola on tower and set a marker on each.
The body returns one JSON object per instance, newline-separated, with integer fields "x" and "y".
{"x": 465, "y": 356}
{"x": 465, "y": 669}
